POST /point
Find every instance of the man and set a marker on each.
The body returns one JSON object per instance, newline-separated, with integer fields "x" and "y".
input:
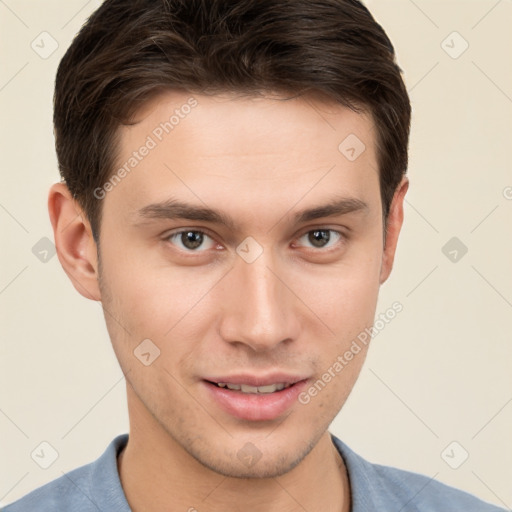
{"x": 233, "y": 187}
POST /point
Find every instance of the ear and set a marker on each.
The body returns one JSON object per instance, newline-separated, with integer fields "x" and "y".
{"x": 395, "y": 220}
{"x": 74, "y": 242}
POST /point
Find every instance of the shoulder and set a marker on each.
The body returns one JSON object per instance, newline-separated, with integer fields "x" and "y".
{"x": 68, "y": 492}
{"x": 383, "y": 488}
{"x": 88, "y": 488}
{"x": 426, "y": 494}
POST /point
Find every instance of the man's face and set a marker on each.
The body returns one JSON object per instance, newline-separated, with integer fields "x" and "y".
{"x": 269, "y": 294}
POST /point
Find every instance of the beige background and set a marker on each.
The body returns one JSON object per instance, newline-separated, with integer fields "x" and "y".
{"x": 439, "y": 372}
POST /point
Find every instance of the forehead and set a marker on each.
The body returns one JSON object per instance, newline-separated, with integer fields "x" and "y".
{"x": 236, "y": 115}
{"x": 251, "y": 151}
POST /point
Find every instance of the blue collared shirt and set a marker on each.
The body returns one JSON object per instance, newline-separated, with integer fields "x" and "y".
{"x": 96, "y": 487}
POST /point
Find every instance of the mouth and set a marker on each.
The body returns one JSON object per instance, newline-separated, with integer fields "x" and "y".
{"x": 249, "y": 389}
{"x": 256, "y": 400}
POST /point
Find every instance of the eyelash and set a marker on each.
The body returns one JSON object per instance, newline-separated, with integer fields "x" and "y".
{"x": 341, "y": 239}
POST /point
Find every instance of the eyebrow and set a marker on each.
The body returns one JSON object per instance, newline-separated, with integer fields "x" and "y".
{"x": 173, "y": 209}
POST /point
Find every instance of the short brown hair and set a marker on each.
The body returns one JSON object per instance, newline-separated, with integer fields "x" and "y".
{"x": 130, "y": 50}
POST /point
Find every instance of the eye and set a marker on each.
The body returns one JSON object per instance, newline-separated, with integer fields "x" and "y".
{"x": 190, "y": 240}
{"x": 320, "y": 238}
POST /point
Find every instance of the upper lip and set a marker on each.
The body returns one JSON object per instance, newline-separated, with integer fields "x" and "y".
{"x": 258, "y": 380}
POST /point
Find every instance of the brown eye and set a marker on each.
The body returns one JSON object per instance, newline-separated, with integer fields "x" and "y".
{"x": 190, "y": 240}
{"x": 320, "y": 238}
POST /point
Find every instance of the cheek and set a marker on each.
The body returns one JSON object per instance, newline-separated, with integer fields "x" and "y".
{"x": 172, "y": 307}
{"x": 140, "y": 307}
{"x": 332, "y": 385}
{"x": 343, "y": 295}
{"x": 150, "y": 296}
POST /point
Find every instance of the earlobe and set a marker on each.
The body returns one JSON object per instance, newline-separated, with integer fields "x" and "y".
{"x": 76, "y": 247}
{"x": 395, "y": 221}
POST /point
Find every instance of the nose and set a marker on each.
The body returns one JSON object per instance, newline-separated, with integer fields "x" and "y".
{"x": 257, "y": 307}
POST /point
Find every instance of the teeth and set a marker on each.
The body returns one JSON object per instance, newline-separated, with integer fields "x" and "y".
{"x": 245, "y": 388}
{"x": 249, "y": 389}
{"x": 272, "y": 387}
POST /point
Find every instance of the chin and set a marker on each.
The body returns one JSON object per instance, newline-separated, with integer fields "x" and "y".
{"x": 259, "y": 459}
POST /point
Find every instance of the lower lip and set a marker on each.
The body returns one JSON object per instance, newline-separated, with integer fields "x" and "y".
{"x": 255, "y": 406}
